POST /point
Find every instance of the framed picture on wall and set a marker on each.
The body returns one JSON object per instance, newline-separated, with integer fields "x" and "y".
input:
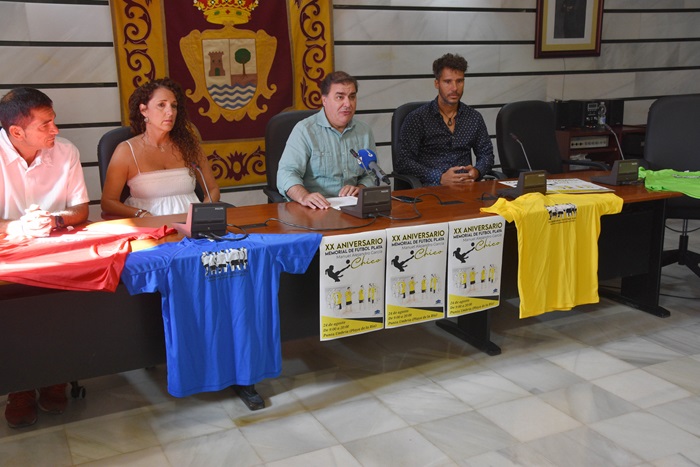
{"x": 568, "y": 28}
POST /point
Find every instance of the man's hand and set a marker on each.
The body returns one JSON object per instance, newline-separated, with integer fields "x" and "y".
{"x": 315, "y": 201}
{"x": 349, "y": 190}
{"x": 36, "y": 222}
{"x": 459, "y": 175}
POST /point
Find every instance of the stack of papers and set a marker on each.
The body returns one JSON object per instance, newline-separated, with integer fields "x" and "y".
{"x": 339, "y": 201}
{"x": 568, "y": 185}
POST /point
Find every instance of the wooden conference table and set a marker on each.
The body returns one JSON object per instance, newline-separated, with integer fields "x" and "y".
{"x": 48, "y": 336}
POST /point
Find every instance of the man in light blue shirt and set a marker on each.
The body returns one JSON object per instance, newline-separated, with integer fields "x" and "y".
{"x": 316, "y": 162}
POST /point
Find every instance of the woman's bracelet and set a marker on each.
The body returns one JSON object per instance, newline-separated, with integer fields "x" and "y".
{"x": 140, "y": 213}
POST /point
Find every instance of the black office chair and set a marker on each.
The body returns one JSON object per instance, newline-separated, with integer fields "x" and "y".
{"x": 105, "y": 148}
{"x": 672, "y": 142}
{"x": 533, "y": 124}
{"x": 402, "y": 181}
{"x": 276, "y": 134}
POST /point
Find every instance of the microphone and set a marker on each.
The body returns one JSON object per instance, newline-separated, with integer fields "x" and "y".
{"x": 369, "y": 159}
{"x": 527, "y": 159}
{"x": 362, "y": 164}
{"x": 204, "y": 182}
{"x": 619, "y": 147}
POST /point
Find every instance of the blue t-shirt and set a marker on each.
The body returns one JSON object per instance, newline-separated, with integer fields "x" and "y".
{"x": 219, "y": 305}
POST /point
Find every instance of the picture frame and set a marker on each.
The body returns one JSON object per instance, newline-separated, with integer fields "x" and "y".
{"x": 568, "y": 28}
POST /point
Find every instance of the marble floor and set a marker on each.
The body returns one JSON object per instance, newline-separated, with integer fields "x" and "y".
{"x": 599, "y": 385}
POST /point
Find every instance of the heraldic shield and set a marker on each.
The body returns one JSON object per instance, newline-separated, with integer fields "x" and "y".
{"x": 230, "y": 68}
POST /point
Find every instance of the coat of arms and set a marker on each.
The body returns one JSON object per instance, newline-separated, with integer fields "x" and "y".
{"x": 230, "y": 66}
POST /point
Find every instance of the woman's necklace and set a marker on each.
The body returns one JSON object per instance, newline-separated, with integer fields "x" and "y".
{"x": 148, "y": 143}
{"x": 450, "y": 119}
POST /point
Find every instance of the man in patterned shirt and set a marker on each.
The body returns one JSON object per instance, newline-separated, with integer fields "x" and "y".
{"x": 437, "y": 139}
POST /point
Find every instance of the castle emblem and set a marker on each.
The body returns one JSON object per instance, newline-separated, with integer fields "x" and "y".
{"x": 230, "y": 66}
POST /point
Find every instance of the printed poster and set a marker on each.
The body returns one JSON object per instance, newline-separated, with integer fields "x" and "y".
{"x": 352, "y": 284}
{"x": 474, "y": 265}
{"x": 415, "y": 274}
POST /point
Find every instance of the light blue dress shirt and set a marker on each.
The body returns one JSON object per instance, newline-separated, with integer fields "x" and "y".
{"x": 318, "y": 157}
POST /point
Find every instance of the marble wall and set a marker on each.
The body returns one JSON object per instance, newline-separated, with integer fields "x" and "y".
{"x": 649, "y": 49}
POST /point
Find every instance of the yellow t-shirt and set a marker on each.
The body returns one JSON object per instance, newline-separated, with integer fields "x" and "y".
{"x": 557, "y": 247}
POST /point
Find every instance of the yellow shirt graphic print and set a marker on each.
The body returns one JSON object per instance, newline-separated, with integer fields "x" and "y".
{"x": 557, "y": 247}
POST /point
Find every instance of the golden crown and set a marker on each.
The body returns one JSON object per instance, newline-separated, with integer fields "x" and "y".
{"x": 226, "y": 11}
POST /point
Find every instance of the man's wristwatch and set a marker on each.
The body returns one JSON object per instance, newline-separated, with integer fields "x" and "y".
{"x": 60, "y": 223}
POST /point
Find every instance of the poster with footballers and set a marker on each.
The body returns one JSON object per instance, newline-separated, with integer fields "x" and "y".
{"x": 474, "y": 264}
{"x": 352, "y": 284}
{"x": 415, "y": 274}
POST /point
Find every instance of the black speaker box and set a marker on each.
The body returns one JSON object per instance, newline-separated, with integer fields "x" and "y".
{"x": 616, "y": 112}
{"x": 573, "y": 114}
{"x": 567, "y": 114}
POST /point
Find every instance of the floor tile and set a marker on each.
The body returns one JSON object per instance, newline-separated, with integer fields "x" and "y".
{"x": 641, "y": 388}
{"x": 287, "y": 437}
{"x": 149, "y": 457}
{"x": 188, "y": 418}
{"x": 423, "y": 403}
{"x": 336, "y": 456}
{"x": 515, "y": 456}
{"x": 590, "y": 363}
{"x": 639, "y": 351}
{"x": 679, "y": 339}
{"x": 401, "y": 448}
{"x": 109, "y": 436}
{"x": 684, "y": 413}
{"x": 682, "y": 372}
{"x": 646, "y": 435}
{"x": 582, "y": 447}
{"x": 48, "y": 447}
{"x": 484, "y": 389}
{"x": 358, "y": 419}
{"x": 465, "y": 435}
{"x": 529, "y": 418}
{"x": 538, "y": 376}
{"x": 228, "y": 447}
{"x": 587, "y": 402}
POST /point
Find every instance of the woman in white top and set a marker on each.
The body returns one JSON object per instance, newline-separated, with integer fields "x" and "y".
{"x": 159, "y": 163}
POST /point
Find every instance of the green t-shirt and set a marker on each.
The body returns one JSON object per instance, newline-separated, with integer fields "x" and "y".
{"x": 687, "y": 183}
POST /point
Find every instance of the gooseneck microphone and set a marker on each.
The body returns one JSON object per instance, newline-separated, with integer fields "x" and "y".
{"x": 619, "y": 147}
{"x": 204, "y": 182}
{"x": 527, "y": 159}
{"x": 364, "y": 166}
{"x": 369, "y": 159}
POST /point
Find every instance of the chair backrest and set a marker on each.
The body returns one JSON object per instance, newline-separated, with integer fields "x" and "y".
{"x": 105, "y": 148}
{"x": 672, "y": 141}
{"x": 397, "y": 119}
{"x": 276, "y": 134}
{"x": 532, "y": 122}
{"x": 673, "y": 133}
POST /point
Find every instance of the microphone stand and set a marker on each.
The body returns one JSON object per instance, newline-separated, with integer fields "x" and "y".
{"x": 619, "y": 147}
{"x": 204, "y": 182}
{"x": 527, "y": 159}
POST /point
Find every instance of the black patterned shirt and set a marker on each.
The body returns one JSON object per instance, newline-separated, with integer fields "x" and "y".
{"x": 428, "y": 148}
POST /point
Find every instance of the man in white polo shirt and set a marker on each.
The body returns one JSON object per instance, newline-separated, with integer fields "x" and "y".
{"x": 41, "y": 189}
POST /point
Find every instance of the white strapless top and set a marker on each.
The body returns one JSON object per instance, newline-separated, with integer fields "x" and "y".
{"x": 162, "y": 192}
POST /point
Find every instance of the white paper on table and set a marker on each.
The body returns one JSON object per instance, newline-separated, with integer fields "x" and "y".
{"x": 339, "y": 201}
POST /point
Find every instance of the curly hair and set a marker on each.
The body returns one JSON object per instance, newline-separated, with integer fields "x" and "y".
{"x": 183, "y": 134}
{"x": 453, "y": 61}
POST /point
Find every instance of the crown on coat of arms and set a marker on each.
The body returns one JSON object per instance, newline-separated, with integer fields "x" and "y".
{"x": 226, "y": 11}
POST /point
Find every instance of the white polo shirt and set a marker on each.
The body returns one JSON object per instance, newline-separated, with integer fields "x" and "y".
{"x": 54, "y": 181}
